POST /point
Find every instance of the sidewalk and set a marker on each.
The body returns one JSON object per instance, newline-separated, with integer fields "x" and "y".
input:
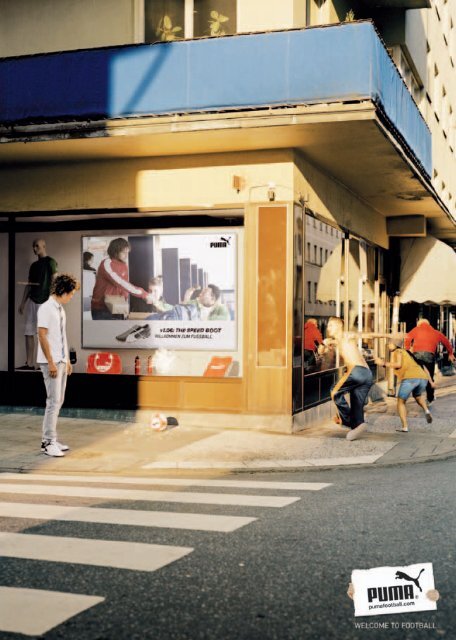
{"x": 98, "y": 446}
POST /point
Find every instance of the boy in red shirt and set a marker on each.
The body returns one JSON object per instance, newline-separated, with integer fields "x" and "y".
{"x": 423, "y": 340}
{"x": 312, "y": 339}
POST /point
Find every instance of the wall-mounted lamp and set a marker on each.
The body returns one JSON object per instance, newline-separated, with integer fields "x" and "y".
{"x": 271, "y": 191}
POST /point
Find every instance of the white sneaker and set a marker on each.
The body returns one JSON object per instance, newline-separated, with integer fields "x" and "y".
{"x": 353, "y": 434}
{"x": 62, "y": 447}
{"x": 52, "y": 449}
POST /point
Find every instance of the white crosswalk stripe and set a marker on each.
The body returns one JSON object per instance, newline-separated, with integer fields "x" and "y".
{"x": 130, "y": 517}
{"x": 135, "y": 556}
{"x": 177, "y": 482}
{"x": 150, "y": 496}
{"x": 34, "y": 612}
{"x": 48, "y": 609}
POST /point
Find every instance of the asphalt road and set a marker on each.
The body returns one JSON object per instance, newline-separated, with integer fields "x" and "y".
{"x": 283, "y": 576}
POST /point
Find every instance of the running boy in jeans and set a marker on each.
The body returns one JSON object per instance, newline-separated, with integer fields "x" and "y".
{"x": 357, "y": 381}
{"x": 53, "y": 358}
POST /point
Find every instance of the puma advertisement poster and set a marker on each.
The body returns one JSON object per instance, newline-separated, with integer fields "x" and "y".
{"x": 391, "y": 590}
{"x": 160, "y": 290}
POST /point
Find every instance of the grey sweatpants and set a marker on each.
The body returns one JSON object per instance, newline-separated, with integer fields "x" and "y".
{"x": 55, "y": 395}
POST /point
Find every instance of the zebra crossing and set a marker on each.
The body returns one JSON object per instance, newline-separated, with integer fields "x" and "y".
{"x": 54, "y": 608}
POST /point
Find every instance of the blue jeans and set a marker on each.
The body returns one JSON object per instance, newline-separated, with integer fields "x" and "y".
{"x": 357, "y": 383}
{"x": 416, "y": 386}
{"x": 55, "y": 395}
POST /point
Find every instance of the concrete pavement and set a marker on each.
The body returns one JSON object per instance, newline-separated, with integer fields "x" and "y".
{"x": 99, "y": 446}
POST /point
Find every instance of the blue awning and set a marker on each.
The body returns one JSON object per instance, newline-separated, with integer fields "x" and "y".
{"x": 339, "y": 63}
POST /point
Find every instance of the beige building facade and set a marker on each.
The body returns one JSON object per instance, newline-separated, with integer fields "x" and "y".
{"x": 195, "y": 144}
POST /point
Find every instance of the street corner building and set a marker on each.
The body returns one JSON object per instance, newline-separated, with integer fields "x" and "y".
{"x": 220, "y": 176}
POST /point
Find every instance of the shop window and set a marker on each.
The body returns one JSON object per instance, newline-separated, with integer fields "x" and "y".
{"x": 322, "y": 292}
{"x": 4, "y": 301}
{"x": 298, "y": 311}
{"x": 172, "y": 308}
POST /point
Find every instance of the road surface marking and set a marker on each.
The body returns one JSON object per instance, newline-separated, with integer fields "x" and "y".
{"x": 167, "y": 519}
{"x": 178, "y": 482}
{"x": 150, "y": 496}
{"x": 135, "y": 556}
{"x": 34, "y": 612}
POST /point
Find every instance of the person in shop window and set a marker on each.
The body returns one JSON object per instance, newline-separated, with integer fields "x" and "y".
{"x": 312, "y": 340}
{"x": 36, "y": 292}
{"x": 89, "y": 276}
{"x": 113, "y": 280}
{"x": 207, "y": 303}
{"x": 423, "y": 340}
{"x": 156, "y": 298}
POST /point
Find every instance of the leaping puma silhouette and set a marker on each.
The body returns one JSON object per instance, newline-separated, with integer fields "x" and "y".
{"x": 403, "y": 576}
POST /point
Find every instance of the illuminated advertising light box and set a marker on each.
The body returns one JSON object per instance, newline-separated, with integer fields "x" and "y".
{"x": 160, "y": 291}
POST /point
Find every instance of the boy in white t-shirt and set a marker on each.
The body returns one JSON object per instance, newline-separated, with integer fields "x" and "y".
{"x": 53, "y": 358}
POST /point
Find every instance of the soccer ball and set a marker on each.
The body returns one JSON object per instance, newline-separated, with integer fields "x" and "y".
{"x": 158, "y": 422}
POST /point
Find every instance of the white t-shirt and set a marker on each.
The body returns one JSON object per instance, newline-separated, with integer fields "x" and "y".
{"x": 51, "y": 316}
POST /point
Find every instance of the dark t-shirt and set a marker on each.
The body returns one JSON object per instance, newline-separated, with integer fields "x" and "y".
{"x": 41, "y": 271}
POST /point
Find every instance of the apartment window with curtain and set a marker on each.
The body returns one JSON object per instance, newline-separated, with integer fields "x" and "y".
{"x": 168, "y": 20}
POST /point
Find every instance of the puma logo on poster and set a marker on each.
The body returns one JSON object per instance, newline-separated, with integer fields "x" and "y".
{"x": 391, "y": 590}
{"x": 400, "y": 575}
{"x": 222, "y": 244}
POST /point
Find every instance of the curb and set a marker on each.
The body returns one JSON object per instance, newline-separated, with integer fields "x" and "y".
{"x": 244, "y": 470}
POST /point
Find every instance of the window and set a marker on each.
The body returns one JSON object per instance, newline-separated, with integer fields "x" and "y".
{"x": 315, "y": 292}
{"x": 321, "y": 256}
{"x": 164, "y": 20}
{"x": 167, "y": 20}
{"x": 309, "y": 291}
{"x": 214, "y": 18}
{"x": 315, "y": 254}
{"x": 308, "y": 252}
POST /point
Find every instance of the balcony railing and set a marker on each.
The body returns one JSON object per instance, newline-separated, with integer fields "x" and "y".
{"x": 339, "y": 63}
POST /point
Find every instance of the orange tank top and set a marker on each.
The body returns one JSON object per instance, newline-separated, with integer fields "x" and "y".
{"x": 410, "y": 368}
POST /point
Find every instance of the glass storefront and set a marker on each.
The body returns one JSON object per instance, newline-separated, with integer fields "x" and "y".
{"x": 341, "y": 276}
{"x": 152, "y": 302}
{"x": 4, "y": 301}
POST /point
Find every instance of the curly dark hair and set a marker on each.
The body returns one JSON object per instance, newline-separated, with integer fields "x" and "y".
{"x": 215, "y": 290}
{"x": 64, "y": 283}
{"x": 116, "y": 246}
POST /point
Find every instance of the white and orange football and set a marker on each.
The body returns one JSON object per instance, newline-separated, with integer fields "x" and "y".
{"x": 158, "y": 422}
